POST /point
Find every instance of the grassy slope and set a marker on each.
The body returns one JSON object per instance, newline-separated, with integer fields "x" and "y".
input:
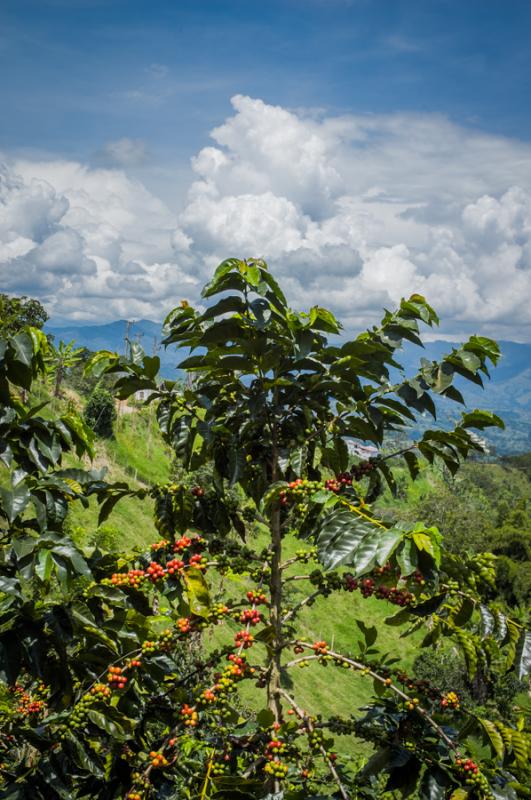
{"x": 139, "y": 457}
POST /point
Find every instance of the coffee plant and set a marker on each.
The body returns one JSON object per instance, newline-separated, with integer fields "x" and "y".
{"x": 122, "y": 673}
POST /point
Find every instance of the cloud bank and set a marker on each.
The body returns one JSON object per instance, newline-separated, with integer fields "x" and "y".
{"x": 352, "y": 212}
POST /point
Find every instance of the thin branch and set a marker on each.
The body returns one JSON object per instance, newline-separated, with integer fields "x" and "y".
{"x": 368, "y": 671}
{"x": 295, "y": 610}
{"x": 310, "y": 728}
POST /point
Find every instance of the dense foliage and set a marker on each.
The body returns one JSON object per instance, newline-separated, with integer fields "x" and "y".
{"x": 100, "y": 412}
{"x": 486, "y": 506}
{"x": 112, "y": 688}
{"x": 17, "y": 312}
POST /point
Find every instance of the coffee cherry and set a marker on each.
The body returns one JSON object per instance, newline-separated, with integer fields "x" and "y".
{"x": 182, "y": 544}
{"x": 155, "y": 572}
{"x": 158, "y": 761}
{"x": 250, "y": 616}
{"x": 189, "y": 716}
{"x": 243, "y": 639}
{"x": 320, "y": 648}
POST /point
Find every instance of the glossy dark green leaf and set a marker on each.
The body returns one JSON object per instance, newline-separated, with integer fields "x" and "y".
{"x": 339, "y": 537}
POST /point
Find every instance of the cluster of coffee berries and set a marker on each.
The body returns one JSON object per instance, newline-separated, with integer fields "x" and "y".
{"x": 101, "y": 690}
{"x": 320, "y": 648}
{"x": 160, "y": 545}
{"x": 158, "y": 760}
{"x": 244, "y": 639}
{"x": 155, "y": 572}
{"x": 419, "y": 685}
{"x": 361, "y": 470}
{"x": 219, "y": 765}
{"x": 345, "y": 479}
{"x": 450, "y": 700}
{"x": 470, "y": 771}
{"x": 239, "y": 665}
{"x": 225, "y": 684}
{"x": 315, "y": 739}
{"x": 208, "y": 696}
{"x": 174, "y": 566}
{"x": 29, "y": 705}
{"x": 133, "y": 796}
{"x": 182, "y": 544}
{"x": 198, "y": 491}
{"x": 485, "y": 564}
{"x": 116, "y": 679}
{"x": 189, "y": 716}
{"x": 218, "y": 611}
{"x": 368, "y": 587}
{"x": 134, "y": 578}
{"x": 184, "y": 625}
{"x": 298, "y": 490}
{"x": 276, "y": 769}
{"x": 166, "y": 640}
{"x": 81, "y": 709}
{"x": 197, "y": 561}
{"x": 250, "y": 616}
{"x": 412, "y": 703}
{"x": 257, "y": 598}
{"x": 273, "y": 748}
{"x": 339, "y": 482}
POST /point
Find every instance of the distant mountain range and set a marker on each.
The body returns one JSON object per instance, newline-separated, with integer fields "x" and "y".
{"x": 508, "y": 393}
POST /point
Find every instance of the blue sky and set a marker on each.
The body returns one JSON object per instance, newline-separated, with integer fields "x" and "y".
{"x": 77, "y": 72}
{"x": 366, "y": 148}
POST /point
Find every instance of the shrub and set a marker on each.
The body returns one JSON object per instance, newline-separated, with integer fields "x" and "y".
{"x": 100, "y": 413}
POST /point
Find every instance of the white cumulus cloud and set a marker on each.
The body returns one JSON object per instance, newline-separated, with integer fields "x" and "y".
{"x": 353, "y": 212}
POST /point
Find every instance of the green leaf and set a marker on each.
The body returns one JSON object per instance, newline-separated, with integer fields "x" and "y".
{"x": 388, "y": 541}
{"x": 494, "y": 737}
{"x": 427, "y": 607}
{"x": 370, "y": 633}
{"x": 15, "y": 501}
{"x": 44, "y": 565}
{"x": 339, "y": 536}
{"x": 488, "y": 621}
{"x": 296, "y": 461}
{"x": 365, "y": 555}
{"x": 412, "y": 464}
{"x": 465, "y": 611}
{"x": 513, "y": 633}
{"x": 407, "y": 558}
{"x": 481, "y": 419}
{"x": 198, "y": 593}
{"x": 265, "y": 718}
{"x": 105, "y": 724}
{"x": 323, "y": 320}
{"x": 22, "y": 344}
{"x": 434, "y": 784}
{"x": 523, "y": 655}
{"x": 520, "y": 749}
